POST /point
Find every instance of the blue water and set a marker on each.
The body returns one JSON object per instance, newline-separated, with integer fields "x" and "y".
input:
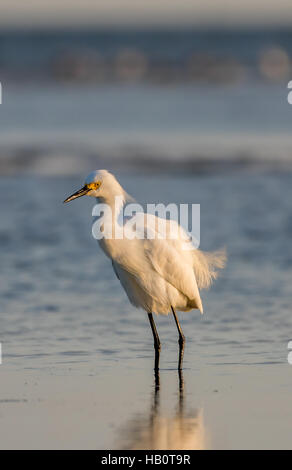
{"x": 62, "y": 129}
{"x": 60, "y": 301}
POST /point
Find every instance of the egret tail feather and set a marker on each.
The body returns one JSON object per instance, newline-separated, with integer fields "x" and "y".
{"x": 206, "y": 266}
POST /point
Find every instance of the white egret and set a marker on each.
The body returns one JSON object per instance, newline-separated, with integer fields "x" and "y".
{"x": 158, "y": 274}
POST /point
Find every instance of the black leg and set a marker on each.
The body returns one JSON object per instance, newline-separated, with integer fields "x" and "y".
{"x": 181, "y": 340}
{"x": 157, "y": 345}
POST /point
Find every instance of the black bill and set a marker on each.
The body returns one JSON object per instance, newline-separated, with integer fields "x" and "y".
{"x": 82, "y": 192}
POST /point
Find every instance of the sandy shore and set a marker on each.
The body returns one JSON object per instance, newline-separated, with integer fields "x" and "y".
{"x": 244, "y": 408}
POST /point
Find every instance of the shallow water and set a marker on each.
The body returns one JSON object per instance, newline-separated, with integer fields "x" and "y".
{"x": 68, "y": 130}
{"x": 69, "y": 335}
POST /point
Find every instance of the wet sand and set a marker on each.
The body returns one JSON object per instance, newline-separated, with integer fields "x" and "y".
{"x": 223, "y": 407}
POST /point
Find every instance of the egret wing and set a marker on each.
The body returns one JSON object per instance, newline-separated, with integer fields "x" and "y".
{"x": 170, "y": 263}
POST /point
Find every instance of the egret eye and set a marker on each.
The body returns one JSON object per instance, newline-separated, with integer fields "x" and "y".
{"x": 94, "y": 186}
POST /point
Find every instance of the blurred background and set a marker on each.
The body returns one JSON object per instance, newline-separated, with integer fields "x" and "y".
{"x": 127, "y": 84}
{"x": 185, "y": 102}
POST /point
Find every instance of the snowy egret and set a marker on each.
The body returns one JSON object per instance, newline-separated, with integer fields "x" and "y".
{"x": 158, "y": 274}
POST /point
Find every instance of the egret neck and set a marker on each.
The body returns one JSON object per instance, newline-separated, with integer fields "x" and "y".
{"x": 111, "y": 222}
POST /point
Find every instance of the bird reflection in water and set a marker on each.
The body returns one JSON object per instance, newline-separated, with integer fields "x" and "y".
{"x": 157, "y": 431}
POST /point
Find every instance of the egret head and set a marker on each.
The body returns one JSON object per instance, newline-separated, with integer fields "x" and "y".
{"x": 99, "y": 184}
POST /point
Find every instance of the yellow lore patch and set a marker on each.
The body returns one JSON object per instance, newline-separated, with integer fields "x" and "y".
{"x": 93, "y": 186}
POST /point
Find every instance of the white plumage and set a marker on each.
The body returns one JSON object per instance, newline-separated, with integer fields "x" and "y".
{"x": 156, "y": 273}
